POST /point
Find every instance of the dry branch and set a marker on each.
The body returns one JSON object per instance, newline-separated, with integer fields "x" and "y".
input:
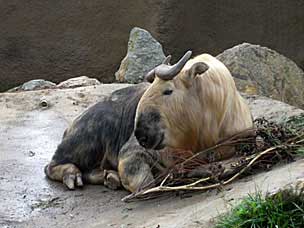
{"x": 275, "y": 143}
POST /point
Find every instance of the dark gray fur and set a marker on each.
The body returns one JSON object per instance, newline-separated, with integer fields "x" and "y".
{"x": 141, "y": 163}
{"x": 103, "y": 129}
{"x": 101, "y": 141}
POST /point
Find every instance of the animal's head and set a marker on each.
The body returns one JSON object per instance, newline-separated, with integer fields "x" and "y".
{"x": 166, "y": 113}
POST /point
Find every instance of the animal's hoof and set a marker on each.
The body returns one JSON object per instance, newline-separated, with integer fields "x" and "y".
{"x": 72, "y": 180}
{"x": 111, "y": 180}
{"x": 79, "y": 182}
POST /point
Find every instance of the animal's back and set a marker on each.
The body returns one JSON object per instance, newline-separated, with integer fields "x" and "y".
{"x": 218, "y": 91}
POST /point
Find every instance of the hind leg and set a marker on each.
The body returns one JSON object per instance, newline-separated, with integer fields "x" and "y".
{"x": 135, "y": 173}
{"x": 108, "y": 178}
{"x": 67, "y": 173}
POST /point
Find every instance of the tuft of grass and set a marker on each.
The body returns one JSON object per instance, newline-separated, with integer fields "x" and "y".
{"x": 300, "y": 151}
{"x": 296, "y": 122}
{"x": 285, "y": 209}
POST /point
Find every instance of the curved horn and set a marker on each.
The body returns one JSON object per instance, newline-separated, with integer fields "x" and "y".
{"x": 149, "y": 77}
{"x": 166, "y": 72}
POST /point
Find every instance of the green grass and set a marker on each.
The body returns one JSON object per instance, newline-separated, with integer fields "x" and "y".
{"x": 283, "y": 210}
{"x": 300, "y": 151}
{"x": 296, "y": 122}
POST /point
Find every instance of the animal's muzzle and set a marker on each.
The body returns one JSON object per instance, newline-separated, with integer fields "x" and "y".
{"x": 148, "y": 132}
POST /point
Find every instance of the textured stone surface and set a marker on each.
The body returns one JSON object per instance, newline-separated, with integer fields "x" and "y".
{"x": 29, "y": 136}
{"x": 144, "y": 53}
{"x": 57, "y": 40}
{"x": 260, "y": 70}
{"x": 38, "y": 84}
{"x": 213, "y": 26}
{"x": 271, "y": 109}
{"x": 77, "y": 82}
{"x": 35, "y": 84}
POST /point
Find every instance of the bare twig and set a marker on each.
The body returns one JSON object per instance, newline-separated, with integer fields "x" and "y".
{"x": 227, "y": 142}
{"x": 281, "y": 144}
{"x": 193, "y": 186}
{"x": 165, "y": 179}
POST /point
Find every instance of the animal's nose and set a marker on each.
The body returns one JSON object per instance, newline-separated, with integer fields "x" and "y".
{"x": 142, "y": 138}
{"x": 143, "y": 141}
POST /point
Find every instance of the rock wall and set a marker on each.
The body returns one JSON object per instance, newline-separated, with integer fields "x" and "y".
{"x": 213, "y": 26}
{"x": 56, "y": 40}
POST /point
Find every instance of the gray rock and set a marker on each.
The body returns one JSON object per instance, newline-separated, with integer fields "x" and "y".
{"x": 144, "y": 53}
{"x": 260, "y": 70}
{"x": 78, "y": 82}
{"x": 35, "y": 84}
{"x": 270, "y": 109}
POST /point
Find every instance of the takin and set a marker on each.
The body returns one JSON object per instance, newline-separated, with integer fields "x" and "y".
{"x": 127, "y": 138}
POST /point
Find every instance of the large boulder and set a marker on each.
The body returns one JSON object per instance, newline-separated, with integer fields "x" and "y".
{"x": 260, "y": 70}
{"x": 144, "y": 53}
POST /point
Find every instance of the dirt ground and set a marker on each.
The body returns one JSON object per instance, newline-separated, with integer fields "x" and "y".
{"x": 29, "y": 135}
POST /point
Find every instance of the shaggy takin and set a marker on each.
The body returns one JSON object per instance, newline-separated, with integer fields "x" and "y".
{"x": 189, "y": 106}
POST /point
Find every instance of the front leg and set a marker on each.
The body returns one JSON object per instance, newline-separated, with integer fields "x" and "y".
{"x": 135, "y": 173}
{"x": 108, "y": 178}
{"x": 111, "y": 179}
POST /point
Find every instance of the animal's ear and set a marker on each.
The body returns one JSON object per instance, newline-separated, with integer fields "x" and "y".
{"x": 149, "y": 77}
{"x": 196, "y": 69}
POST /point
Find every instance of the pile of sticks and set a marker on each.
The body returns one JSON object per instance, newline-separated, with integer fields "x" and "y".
{"x": 257, "y": 149}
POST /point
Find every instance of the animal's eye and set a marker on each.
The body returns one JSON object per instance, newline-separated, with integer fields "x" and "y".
{"x": 167, "y": 92}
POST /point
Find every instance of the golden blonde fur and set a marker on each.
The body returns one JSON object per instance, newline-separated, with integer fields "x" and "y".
{"x": 202, "y": 109}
